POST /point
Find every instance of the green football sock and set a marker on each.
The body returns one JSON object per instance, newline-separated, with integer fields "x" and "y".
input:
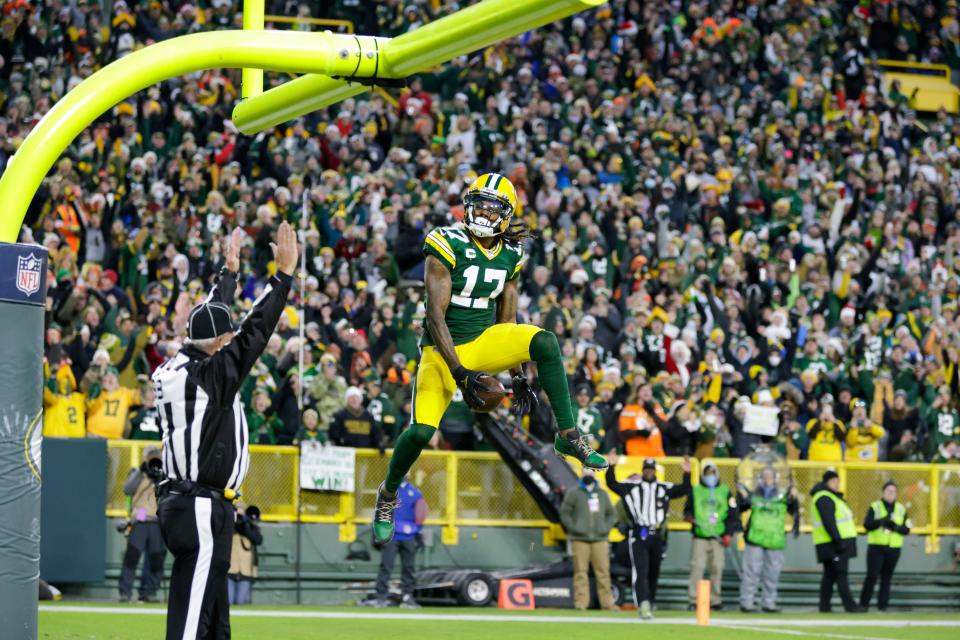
{"x": 409, "y": 445}
{"x": 545, "y": 351}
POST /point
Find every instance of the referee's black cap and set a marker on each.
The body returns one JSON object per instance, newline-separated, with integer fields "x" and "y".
{"x": 649, "y": 463}
{"x": 209, "y": 320}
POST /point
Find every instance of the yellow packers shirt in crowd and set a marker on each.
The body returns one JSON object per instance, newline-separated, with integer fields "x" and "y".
{"x": 107, "y": 413}
{"x": 64, "y": 414}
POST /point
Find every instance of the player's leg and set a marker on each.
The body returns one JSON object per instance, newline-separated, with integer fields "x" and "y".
{"x": 432, "y": 391}
{"x": 505, "y": 346}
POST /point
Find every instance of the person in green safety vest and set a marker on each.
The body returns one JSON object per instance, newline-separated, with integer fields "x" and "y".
{"x": 886, "y": 524}
{"x": 765, "y": 539}
{"x": 712, "y": 510}
{"x": 835, "y": 537}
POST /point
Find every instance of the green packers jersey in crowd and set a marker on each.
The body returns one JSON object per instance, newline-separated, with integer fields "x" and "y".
{"x": 589, "y": 422}
{"x": 479, "y": 277}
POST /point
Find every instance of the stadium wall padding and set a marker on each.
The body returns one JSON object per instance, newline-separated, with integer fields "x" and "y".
{"x": 23, "y": 271}
{"x": 74, "y": 492}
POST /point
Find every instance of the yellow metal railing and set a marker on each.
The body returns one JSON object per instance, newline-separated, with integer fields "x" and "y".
{"x": 476, "y": 489}
{"x": 342, "y": 26}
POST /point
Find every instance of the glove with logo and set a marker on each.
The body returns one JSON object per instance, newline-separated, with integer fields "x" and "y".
{"x": 469, "y": 381}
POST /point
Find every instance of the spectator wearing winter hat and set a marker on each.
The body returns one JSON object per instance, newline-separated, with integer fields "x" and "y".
{"x": 354, "y": 426}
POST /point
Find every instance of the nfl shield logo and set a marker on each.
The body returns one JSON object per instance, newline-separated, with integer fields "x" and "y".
{"x": 28, "y": 274}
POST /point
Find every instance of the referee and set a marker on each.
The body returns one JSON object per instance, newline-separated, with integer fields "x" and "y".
{"x": 204, "y": 431}
{"x": 646, "y": 502}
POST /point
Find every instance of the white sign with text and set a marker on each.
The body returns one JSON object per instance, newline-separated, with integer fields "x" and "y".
{"x": 327, "y": 468}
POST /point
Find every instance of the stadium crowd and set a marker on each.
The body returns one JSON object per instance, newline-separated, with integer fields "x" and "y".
{"x": 729, "y": 209}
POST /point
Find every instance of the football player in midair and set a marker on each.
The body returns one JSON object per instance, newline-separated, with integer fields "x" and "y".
{"x": 471, "y": 330}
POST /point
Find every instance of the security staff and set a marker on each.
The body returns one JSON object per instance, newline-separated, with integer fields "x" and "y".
{"x": 886, "y": 524}
{"x": 835, "y": 537}
{"x": 204, "y": 433}
{"x": 646, "y": 502}
{"x": 712, "y": 510}
{"x": 765, "y": 539}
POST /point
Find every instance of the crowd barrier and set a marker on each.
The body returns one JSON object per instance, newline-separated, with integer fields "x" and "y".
{"x": 476, "y": 489}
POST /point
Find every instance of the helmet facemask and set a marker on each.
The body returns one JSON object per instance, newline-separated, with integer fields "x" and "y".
{"x": 480, "y": 225}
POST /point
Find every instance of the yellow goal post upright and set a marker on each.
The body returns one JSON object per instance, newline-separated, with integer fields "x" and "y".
{"x": 334, "y": 66}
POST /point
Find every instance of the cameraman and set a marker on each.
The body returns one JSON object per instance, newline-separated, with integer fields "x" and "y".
{"x": 243, "y": 555}
{"x": 143, "y": 530}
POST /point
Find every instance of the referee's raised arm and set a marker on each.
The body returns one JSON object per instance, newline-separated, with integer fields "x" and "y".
{"x": 227, "y": 368}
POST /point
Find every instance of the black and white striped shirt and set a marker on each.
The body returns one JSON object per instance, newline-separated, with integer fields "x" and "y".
{"x": 202, "y": 422}
{"x": 647, "y": 503}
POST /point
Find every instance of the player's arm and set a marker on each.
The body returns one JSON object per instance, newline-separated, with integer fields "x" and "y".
{"x": 439, "y": 285}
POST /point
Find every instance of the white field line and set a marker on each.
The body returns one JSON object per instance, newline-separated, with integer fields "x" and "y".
{"x": 449, "y": 617}
{"x": 805, "y": 634}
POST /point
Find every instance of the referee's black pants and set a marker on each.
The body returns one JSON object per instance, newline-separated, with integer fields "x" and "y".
{"x": 199, "y": 533}
{"x": 881, "y": 563}
{"x": 646, "y": 554}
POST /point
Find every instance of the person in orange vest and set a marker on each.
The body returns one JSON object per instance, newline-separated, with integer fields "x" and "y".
{"x": 641, "y": 423}
{"x": 68, "y": 222}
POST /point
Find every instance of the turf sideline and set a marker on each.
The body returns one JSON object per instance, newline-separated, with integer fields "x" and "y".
{"x": 343, "y": 615}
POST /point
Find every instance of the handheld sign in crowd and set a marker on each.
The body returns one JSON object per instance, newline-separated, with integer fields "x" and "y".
{"x": 327, "y": 468}
{"x": 761, "y": 421}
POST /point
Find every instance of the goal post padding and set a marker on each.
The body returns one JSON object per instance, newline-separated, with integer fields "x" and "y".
{"x": 23, "y": 277}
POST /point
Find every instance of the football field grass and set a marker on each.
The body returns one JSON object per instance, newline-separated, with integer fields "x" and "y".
{"x": 66, "y": 621}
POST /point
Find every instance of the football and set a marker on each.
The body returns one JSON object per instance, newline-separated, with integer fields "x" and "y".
{"x": 491, "y": 392}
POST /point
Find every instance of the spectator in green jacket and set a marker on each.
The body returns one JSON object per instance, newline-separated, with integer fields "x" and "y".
{"x": 309, "y": 430}
{"x": 263, "y": 429}
{"x": 765, "y": 539}
{"x": 713, "y": 512}
{"x": 587, "y": 516}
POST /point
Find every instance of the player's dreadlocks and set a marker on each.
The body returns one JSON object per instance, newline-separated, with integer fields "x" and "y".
{"x": 517, "y": 231}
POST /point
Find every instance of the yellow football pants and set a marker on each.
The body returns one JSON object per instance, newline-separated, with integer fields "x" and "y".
{"x": 499, "y": 348}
